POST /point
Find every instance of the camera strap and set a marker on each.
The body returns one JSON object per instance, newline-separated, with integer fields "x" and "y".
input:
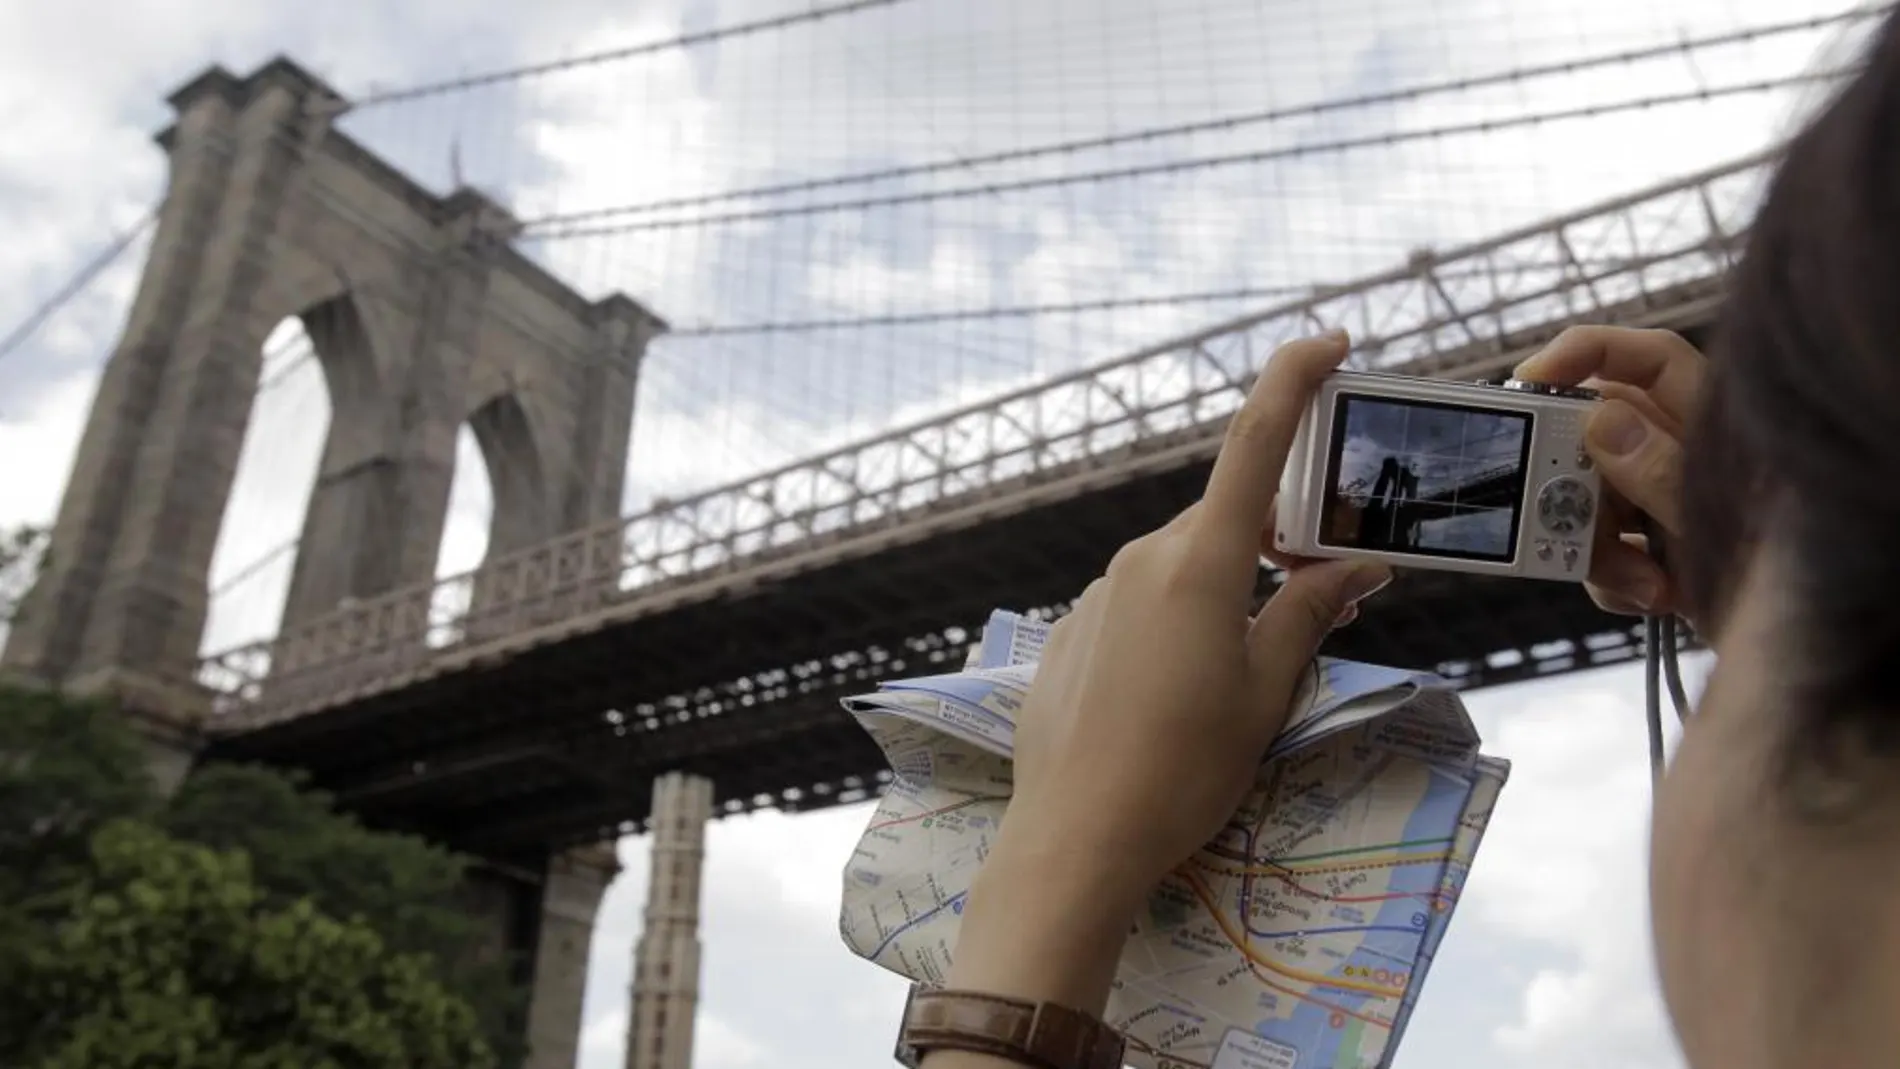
{"x": 1660, "y": 666}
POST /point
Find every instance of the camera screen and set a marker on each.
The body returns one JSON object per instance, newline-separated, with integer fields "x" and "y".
{"x": 1424, "y": 478}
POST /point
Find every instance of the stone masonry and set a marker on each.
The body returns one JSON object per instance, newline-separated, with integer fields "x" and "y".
{"x": 423, "y": 316}
{"x": 666, "y": 959}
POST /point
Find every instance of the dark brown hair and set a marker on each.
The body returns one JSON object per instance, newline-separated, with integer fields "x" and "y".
{"x": 1797, "y": 441}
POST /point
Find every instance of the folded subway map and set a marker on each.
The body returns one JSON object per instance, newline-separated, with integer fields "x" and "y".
{"x": 1298, "y": 939}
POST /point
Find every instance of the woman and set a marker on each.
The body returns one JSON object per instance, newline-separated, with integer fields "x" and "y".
{"x": 1775, "y": 870}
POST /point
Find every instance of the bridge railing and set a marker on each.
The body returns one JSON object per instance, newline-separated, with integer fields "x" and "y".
{"x": 1633, "y": 258}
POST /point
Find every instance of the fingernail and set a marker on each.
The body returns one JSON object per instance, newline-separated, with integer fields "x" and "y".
{"x": 1617, "y": 429}
{"x": 1364, "y": 582}
{"x": 1351, "y": 614}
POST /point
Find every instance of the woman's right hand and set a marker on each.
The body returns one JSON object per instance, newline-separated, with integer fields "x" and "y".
{"x": 1650, "y": 380}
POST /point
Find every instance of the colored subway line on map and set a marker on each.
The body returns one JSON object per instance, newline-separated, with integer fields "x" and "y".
{"x": 1274, "y": 868}
{"x": 1281, "y": 869}
{"x": 928, "y": 813}
{"x": 1249, "y": 874}
{"x": 1263, "y": 865}
{"x": 1302, "y": 933}
{"x": 1238, "y": 937}
{"x": 1303, "y": 996}
{"x": 1402, "y": 860}
{"x": 1405, "y": 844}
{"x": 954, "y": 902}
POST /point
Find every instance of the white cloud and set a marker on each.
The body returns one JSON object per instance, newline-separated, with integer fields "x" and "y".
{"x": 955, "y": 276}
{"x": 42, "y": 439}
{"x": 717, "y": 1045}
{"x": 604, "y": 1037}
{"x": 1563, "y": 868}
{"x": 778, "y": 984}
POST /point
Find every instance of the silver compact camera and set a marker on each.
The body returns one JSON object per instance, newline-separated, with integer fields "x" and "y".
{"x": 1424, "y": 473}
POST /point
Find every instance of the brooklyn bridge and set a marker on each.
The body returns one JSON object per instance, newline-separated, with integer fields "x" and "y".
{"x": 601, "y": 672}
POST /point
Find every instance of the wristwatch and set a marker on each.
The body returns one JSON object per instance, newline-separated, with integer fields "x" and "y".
{"x": 1039, "y": 1034}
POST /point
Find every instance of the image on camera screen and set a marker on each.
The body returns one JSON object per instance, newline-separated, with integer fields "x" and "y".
{"x": 1424, "y": 478}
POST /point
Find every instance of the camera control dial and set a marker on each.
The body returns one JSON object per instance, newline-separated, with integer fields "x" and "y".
{"x": 1565, "y": 505}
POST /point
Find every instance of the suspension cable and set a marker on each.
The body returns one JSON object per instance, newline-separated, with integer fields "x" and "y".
{"x": 685, "y": 40}
{"x": 1027, "y": 311}
{"x": 1481, "y": 126}
{"x": 76, "y": 285}
{"x": 1222, "y": 123}
{"x": 250, "y": 570}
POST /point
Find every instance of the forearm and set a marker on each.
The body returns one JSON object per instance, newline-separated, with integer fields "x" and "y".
{"x": 1041, "y": 927}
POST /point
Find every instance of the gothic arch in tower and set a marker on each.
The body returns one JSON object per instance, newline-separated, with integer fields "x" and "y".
{"x": 424, "y": 317}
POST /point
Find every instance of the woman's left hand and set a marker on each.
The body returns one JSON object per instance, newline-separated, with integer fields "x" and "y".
{"x": 1152, "y": 707}
{"x": 1158, "y": 694}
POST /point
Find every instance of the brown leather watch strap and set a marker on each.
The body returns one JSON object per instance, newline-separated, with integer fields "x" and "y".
{"x": 1040, "y": 1034}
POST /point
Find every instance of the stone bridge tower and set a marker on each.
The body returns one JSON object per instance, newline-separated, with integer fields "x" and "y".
{"x": 423, "y": 317}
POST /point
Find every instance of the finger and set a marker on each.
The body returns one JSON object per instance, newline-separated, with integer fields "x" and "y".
{"x": 1658, "y": 362}
{"x": 1277, "y": 558}
{"x": 1090, "y": 599}
{"x": 1608, "y": 601}
{"x": 1623, "y": 579}
{"x": 1246, "y": 474}
{"x": 1271, "y": 552}
{"x": 1298, "y": 617}
{"x": 1267, "y": 531}
{"x": 1610, "y": 525}
{"x": 1619, "y": 515}
{"x": 1642, "y": 401}
{"x": 1078, "y": 626}
{"x": 1287, "y": 562}
{"x": 1184, "y": 519}
{"x": 1638, "y": 460}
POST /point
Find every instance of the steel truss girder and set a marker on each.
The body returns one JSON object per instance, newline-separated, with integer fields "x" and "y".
{"x": 867, "y": 777}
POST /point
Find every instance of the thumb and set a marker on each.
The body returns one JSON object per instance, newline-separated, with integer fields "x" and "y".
{"x": 1289, "y": 629}
{"x": 1640, "y": 460}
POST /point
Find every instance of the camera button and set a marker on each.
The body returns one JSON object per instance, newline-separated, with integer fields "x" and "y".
{"x": 1565, "y": 505}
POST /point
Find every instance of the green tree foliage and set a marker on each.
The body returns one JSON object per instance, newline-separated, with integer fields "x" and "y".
{"x": 241, "y": 922}
{"x": 67, "y": 769}
{"x": 408, "y": 891}
{"x": 171, "y": 956}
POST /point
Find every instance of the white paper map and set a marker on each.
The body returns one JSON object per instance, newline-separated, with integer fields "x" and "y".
{"x": 1298, "y": 939}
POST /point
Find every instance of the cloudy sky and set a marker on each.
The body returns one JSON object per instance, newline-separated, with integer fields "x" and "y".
{"x": 1546, "y": 964}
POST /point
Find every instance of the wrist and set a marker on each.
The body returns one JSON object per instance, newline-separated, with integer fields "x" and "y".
{"x": 1045, "y": 924}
